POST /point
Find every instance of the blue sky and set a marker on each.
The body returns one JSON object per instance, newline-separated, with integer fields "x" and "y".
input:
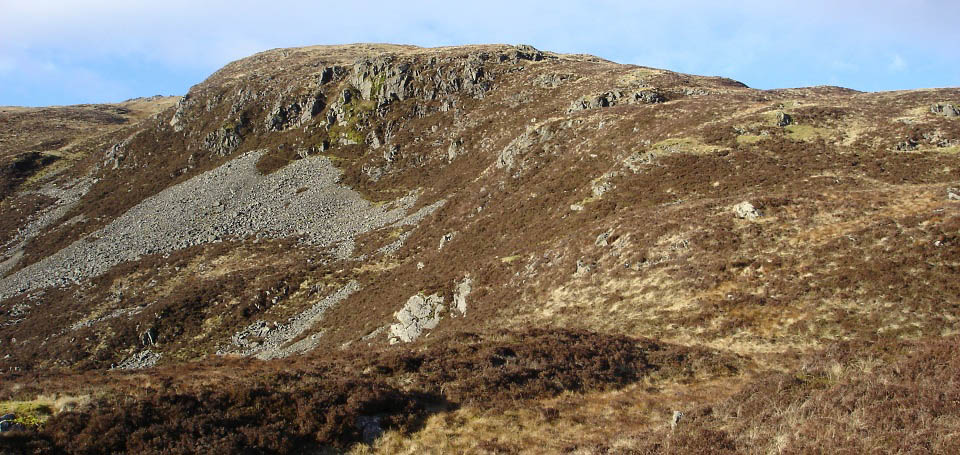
{"x": 56, "y": 52}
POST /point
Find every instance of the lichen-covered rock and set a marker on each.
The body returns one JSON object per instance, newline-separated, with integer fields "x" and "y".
{"x": 746, "y": 210}
{"x": 419, "y": 314}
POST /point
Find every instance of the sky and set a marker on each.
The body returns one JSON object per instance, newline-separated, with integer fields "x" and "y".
{"x": 58, "y": 52}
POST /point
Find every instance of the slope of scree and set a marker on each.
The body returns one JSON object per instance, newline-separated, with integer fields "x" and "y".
{"x": 447, "y": 231}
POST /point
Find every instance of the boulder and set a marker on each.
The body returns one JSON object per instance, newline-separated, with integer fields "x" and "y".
{"x": 953, "y": 194}
{"x": 419, "y": 314}
{"x": 527, "y": 52}
{"x": 784, "y": 119}
{"x": 148, "y": 337}
{"x": 296, "y": 112}
{"x": 746, "y": 210}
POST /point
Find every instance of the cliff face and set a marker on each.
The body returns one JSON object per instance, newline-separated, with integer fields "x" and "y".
{"x": 346, "y": 208}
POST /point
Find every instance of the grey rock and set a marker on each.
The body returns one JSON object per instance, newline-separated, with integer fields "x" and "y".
{"x": 293, "y": 113}
{"x": 273, "y": 341}
{"x": 237, "y": 201}
{"x": 331, "y": 73}
{"x": 602, "y": 238}
{"x": 603, "y": 184}
{"x": 148, "y": 337}
{"x": 178, "y": 121}
{"x": 746, "y": 210}
{"x": 953, "y": 194}
{"x": 223, "y": 141}
{"x": 615, "y": 97}
{"x": 784, "y": 119}
{"x": 455, "y": 149}
{"x": 460, "y": 293}
{"x": 419, "y": 314}
{"x": 527, "y": 52}
{"x": 675, "y": 420}
{"x": 143, "y": 359}
{"x": 520, "y": 145}
{"x": 945, "y": 109}
{"x": 583, "y": 267}
{"x": 552, "y": 80}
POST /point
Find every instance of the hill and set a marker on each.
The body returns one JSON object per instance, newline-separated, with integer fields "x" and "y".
{"x": 483, "y": 249}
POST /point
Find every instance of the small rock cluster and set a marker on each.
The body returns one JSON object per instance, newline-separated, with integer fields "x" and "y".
{"x": 266, "y": 340}
{"x": 143, "y": 359}
{"x": 945, "y": 109}
{"x": 615, "y": 97}
{"x": 424, "y": 312}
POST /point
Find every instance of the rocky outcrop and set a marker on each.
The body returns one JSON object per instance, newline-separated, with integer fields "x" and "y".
{"x": 945, "y": 109}
{"x": 143, "y": 359}
{"x": 419, "y": 314}
{"x": 536, "y": 135}
{"x": 178, "y": 121}
{"x": 615, "y": 97}
{"x": 223, "y": 141}
{"x": 294, "y": 113}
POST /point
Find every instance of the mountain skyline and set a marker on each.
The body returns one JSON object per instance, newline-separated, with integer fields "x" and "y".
{"x": 107, "y": 51}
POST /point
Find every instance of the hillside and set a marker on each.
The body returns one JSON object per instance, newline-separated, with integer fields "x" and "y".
{"x": 481, "y": 249}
